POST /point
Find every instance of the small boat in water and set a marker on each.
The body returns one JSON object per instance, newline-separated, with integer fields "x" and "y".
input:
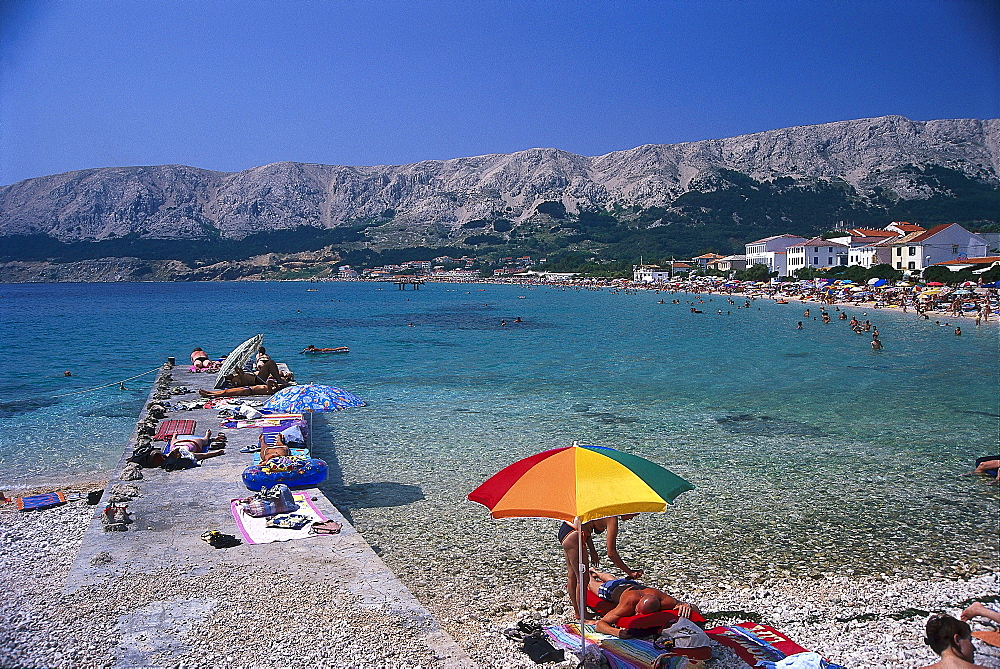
{"x": 338, "y": 349}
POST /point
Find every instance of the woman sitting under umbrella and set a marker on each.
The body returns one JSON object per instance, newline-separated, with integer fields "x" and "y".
{"x": 570, "y": 542}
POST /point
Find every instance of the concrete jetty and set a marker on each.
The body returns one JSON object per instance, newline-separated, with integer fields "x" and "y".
{"x": 178, "y": 600}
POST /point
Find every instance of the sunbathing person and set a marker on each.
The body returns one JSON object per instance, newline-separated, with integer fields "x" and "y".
{"x": 631, "y": 598}
{"x": 197, "y": 444}
{"x": 200, "y": 359}
{"x": 952, "y": 640}
{"x": 178, "y": 458}
{"x": 268, "y": 388}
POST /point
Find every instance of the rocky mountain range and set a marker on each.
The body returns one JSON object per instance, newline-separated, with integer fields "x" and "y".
{"x": 706, "y": 194}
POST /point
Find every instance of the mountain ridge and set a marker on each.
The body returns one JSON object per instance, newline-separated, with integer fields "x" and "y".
{"x": 723, "y": 189}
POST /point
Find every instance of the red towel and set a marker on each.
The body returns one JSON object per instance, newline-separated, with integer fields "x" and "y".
{"x": 169, "y": 428}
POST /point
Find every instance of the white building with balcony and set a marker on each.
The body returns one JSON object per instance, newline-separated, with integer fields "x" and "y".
{"x": 771, "y": 252}
{"x": 816, "y": 253}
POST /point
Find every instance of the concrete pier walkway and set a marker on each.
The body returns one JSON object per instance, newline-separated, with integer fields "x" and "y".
{"x": 322, "y": 601}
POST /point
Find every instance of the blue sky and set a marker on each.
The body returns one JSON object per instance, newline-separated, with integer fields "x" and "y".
{"x": 230, "y": 85}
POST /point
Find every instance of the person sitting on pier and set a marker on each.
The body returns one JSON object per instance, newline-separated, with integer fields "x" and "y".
{"x": 268, "y": 388}
{"x": 267, "y": 368}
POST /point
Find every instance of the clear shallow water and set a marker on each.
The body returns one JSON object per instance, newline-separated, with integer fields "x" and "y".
{"x": 810, "y": 452}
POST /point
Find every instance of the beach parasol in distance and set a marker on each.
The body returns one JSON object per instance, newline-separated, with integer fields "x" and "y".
{"x": 577, "y": 484}
{"x": 312, "y": 398}
{"x": 237, "y": 358}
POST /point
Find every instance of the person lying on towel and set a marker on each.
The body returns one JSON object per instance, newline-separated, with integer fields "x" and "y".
{"x": 268, "y": 388}
{"x": 631, "y": 598}
{"x": 194, "y": 443}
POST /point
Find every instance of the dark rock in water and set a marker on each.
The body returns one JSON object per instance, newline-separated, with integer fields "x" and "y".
{"x": 25, "y": 406}
{"x": 613, "y": 419}
{"x": 766, "y": 426}
{"x": 579, "y": 407}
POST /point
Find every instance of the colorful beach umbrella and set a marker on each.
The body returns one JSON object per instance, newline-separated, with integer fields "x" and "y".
{"x": 577, "y": 484}
{"x": 312, "y": 398}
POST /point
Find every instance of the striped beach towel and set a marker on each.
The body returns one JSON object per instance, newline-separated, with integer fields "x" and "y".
{"x": 620, "y": 653}
{"x": 45, "y": 501}
{"x": 169, "y": 428}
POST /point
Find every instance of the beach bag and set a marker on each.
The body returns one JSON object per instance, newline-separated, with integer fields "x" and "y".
{"x": 270, "y": 501}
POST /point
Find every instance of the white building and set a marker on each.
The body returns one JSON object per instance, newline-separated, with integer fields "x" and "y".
{"x": 815, "y": 253}
{"x": 949, "y": 241}
{"x": 650, "y": 274}
{"x": 771, "y": 252}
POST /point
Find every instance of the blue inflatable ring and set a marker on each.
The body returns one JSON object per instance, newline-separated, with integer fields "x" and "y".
{"x": 292, "y": 471}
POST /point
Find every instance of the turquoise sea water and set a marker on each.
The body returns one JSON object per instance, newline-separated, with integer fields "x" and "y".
{"x": 809, "y": 451}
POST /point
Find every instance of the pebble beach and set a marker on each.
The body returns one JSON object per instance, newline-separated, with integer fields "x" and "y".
{"x": 863, "y": 622}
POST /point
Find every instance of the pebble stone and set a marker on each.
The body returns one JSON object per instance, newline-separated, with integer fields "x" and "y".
{"x": 855, "y": 621}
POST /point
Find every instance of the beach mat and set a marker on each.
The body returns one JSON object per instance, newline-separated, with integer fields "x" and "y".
{"x": 293, "y": 452}
{"x": 990, "y": 637}
{"x": 621, "y": 653}
{"x": 255, "y": 530}
{"x": 755, "y": 642}
{"x": 36, "y": 502}
{"x": 261, "y": 422}
{"x": 169, "y": 428}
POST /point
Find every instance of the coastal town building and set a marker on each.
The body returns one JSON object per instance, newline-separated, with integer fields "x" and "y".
{"x": 816, "y": 253}
{"x": 704, "y": 259}
{"x": 948, "y": 241}
{"x": 729, "y": 263}
{"x": 346, "y": 272}
{"x": 650, "y": 274}
{"x": 771, "y": 252}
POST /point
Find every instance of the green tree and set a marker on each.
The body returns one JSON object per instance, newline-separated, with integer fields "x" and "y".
{"x": 756, "y": 272}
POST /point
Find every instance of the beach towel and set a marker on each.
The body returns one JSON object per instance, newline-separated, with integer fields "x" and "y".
{"x": 256, "y": 531}
{"x": 169, "y": 428}
{"x": 990, "y": 637}
{"x": 624, "y": 653}
{"x": 282, "y": 422}
{"x": 755, "y": 642}
{"x": 293, "y": 452}
{"x": 36, "y": 502}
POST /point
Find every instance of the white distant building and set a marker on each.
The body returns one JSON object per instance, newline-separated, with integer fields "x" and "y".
{"x": 650, "y": 274}
{"x": 771, "y": 252}
{"x": 345, "y": 272}
{"x": 815, "y": 253}
{"x": 949, "y": 241}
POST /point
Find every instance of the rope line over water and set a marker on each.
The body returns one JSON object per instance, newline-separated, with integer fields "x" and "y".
{"x": 113, "y": 383}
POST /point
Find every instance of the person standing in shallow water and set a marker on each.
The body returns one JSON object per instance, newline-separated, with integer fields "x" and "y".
{"x": 569, "y": 539}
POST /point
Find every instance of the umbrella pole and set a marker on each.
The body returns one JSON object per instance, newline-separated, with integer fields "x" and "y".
{"x": 582, "y": 588}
